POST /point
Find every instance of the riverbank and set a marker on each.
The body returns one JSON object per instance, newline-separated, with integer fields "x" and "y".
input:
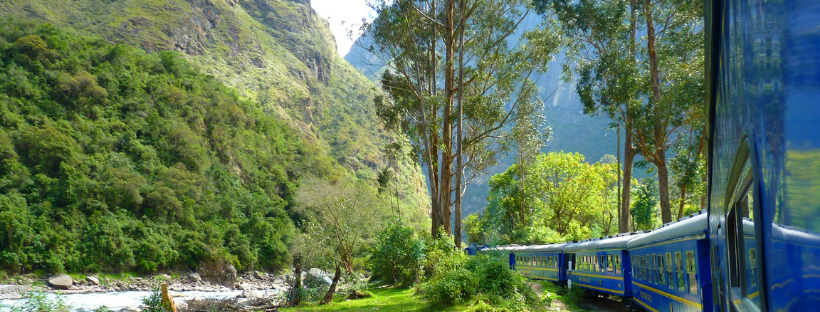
{"x": 249, "y": 284}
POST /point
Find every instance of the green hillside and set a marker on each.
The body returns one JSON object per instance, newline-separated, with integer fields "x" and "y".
{"x": 118, "y": 154}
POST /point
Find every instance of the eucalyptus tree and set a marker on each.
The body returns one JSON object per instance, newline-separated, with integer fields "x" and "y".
{"x": 419, "y": 39}
{"x": 651, "y": 91}
{"x": 600, "y": 42}
{"x": 675, "y": 53}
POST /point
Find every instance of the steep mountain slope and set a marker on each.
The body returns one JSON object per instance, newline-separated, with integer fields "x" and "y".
{"x": 194, "y": 188}
{"x": 572, "y": 130}
{"x": 277, "y": 52}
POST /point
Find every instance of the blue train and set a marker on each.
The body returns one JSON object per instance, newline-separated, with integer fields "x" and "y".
{"x": 663, "y": 270}
{"x": 757, "y": 246}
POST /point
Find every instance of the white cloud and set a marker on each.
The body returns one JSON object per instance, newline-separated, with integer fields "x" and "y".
{"x": 343, "y": 16}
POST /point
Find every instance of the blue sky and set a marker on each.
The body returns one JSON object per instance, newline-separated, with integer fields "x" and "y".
{"x": 343, "y": 15}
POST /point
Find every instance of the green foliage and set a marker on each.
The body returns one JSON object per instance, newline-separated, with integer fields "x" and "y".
{"x": 397, "y": 257}
{"x": 452, "y": 287}
{"x": 643, "y": 208}
{"x": 565, "y": 199}
{"x": 40, "y": 301}
{"x": 441, "y": 256}
{"x": 114, "y": 159}
{"x": 153, "y": 303}
{"x": 497, "y": 278}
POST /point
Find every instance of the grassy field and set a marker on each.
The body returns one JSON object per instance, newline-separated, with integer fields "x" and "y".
{"x": 390, "y": 299}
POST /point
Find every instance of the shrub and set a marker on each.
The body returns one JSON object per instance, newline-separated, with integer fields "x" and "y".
{"x": 442, "y": 256}
{"x": 453, "y": 287}
{"x": 39, "y": 301}
{"x": 153, "y": 303}
{"x": 397, "y": 256}
{"x": 497, "y": 279}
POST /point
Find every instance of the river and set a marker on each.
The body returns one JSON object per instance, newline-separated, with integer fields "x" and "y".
{"x": 123, "y": 300}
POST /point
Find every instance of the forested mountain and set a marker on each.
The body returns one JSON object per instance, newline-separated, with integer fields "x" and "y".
{"x": 142, "y": 135}
{"x": 572, "y": 130}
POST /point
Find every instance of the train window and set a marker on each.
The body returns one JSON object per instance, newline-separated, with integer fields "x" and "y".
{"x": 643, "y": 268}
{"x": 752, "y": 268}
{"x": 617, "y": 264}
{"x": 679, "y": 271}
{"x": 691, "y": 272}
{"x": 610, "y": 266}
{"x": 599, "y": 264}
{"x": 669, "y": 266}
{"x": 661, "y": 270}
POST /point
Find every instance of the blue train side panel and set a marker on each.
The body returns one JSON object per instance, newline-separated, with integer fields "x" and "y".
{"x": 763, "y": 86}
{"x": 671, "y": 267}
{"x": 601, "y": 265}
{"x": 543, "y": 262}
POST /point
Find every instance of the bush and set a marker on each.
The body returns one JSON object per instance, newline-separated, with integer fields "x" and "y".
{"x": 153, "y": 303}
{"x": 453, "y": 287}
{"x": 441, "y": 256}
{"x": 397, "y": 256}
{"x": 39, "y": 301}
{"x": 497, "y": 278}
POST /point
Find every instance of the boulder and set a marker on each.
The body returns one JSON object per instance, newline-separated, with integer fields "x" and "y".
{"x": 315, "y": 278}
{"x": 61, "y": 281}
{"x": 249, "y": 293}
{"x": 359, "y": 295}
{"x": 229, "y": 274}
{"x": 194, "y": 277}
{"x": 93, "y": 280}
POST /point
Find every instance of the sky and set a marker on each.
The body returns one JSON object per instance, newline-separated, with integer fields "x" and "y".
{"x": 343, "y": 15}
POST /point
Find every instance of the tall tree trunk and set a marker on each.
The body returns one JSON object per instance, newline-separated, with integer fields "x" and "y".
{"x": 629, "y": 148}
{"x": 446, "y": 170}
{"x": 329, "y": 295}
{"x": 294, "y": 298}
{"x": 435, "y": 213}
{"x": 663, "y": 188}
{"x": 659, "y": 157}
{"x": 682, "y": 201}
{"x": 629, "y": 158}
{"x": 459, "y": 138}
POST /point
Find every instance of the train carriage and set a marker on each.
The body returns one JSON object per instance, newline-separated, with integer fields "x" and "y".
{"x": 543, "y": 262}
{"x": 602, "y": 265}
{"x": 762, "y": 87}
{"x": 671, "y": 267}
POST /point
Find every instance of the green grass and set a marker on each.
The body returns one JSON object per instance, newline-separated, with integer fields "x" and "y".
{"x": 388, "y": 299}
{"x": 560, "y": 294}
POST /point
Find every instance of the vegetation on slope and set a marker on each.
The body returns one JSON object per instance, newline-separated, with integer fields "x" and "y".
{"x": 116, "y": 159}
{"x": 277, "y": 52}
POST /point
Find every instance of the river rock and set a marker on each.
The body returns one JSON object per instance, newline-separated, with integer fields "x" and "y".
{"x": 194, "y": 277}
{"x": 61, "y": 281}
{"x": 93, "y": 280}
{"x": 248, "y": 293}
{"x": 315, "y": 278}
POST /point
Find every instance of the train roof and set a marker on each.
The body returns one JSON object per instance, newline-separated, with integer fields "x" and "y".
{"x": 612, "y": 242}
{"x": 546, "y": 248}
{"x": 693, "y": 225}
{"x": 500, "y": 248}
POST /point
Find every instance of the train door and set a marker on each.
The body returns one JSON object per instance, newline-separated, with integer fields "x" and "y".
{"x": 743, "y": 242}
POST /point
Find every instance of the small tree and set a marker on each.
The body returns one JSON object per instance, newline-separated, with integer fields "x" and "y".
{"x": 398, "y": 255}
{"x": 343, "y": 217}
{"x": 643, "y": 209}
